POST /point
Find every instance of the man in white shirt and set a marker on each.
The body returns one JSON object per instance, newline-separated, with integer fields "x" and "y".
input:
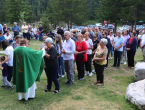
{"x": 34, "y": 32}
{"x": 25, "y": 30}
{"x": 68, "y": 56}
{"x": 8, "y": 37}
{"x": 143, "y": 46}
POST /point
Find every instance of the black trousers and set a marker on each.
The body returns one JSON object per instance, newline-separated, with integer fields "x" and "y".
{"x": 10, "y": 70}
{"x": 15, "y": 34}
{"x": 99, "y": 72}
{"x": 107, "y": 61}
{"x": 25, "y": 35}
{"x": 80, "y": 69}
{"x": 130, "y": 56}
{"x": 52, "y": 76}
{"x": 138, "y": 45}
{"x": 88, "y": 63}
{"x": 117, "y": 56}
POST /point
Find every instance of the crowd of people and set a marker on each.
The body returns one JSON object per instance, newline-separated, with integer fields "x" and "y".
{"x": 91, "y": 46}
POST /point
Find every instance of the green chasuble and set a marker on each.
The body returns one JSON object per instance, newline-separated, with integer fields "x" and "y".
{"x": 27, "y": 68}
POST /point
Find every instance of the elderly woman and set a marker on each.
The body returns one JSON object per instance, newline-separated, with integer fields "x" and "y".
{"x": 17, "y": 42}
{"x": 81, "y": 48}
{"x": 100, "y": 60}
{"x": 88, "y": 63}
{"x": 131, "y": 45}
{"x": 51, "y": 65}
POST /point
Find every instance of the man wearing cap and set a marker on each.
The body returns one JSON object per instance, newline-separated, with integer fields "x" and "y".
{"x": 8, "y": 37}
{"x": 118, "y": 46}
{"x": 25, "y": 69}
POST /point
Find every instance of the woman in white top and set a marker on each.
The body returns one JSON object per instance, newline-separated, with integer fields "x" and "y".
{"x": 9, "y": 58}
{"x": 88, "y": 63}
{"x": 111, "y": 37}
{"x": 59, "y": 46}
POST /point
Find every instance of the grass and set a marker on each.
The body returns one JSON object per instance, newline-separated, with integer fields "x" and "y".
{"x": 83, "y": 95}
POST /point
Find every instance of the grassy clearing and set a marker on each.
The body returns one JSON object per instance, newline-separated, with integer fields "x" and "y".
{"x": 83, "y": 95}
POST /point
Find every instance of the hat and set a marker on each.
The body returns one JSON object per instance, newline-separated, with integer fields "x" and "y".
{"x": 104, "y": 41}
{"x": 49, "y": 40}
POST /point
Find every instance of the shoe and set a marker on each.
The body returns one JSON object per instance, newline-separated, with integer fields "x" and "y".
{"x": 59, "y": 75}
{"x": 78, "y": 78}
{"x": 93, "y": 71}
{"x": 81, "y": 79}
{"x": 117, "y": 67}
{"x": 108, "y": 58}
{"x": 67, "y": 82}
{"x": 113, "y": 66}
{"x": 70, "y": 84}
{"x": 10, "y": 87}
{"x": 90, "y": 74}
{"x": 105, "y": 68}
{"x": 3, "y": 85}
{"x": 62, "y": 76}
{"x": 125, "y": 63}
{"x": 87, "y": 73}
{"x": 121, "y": 62}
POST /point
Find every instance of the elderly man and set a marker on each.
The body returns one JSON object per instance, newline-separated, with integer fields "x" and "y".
{"x": 68, "y": 56}
{"x": 25, "y": 30}
{"x": 41, "y": 34}
{"x": 100, "y": 34}
{"x": 118, "y": 46}
{"x": 143, "y": 46}
{"x": 1, "y": 28}
{"x": 16, "y": 29}
{"x": 8, "y": 37}
{"x": 90, "y": 33}
{"x": 5, "y": 29}
{"x": 25, "y": 69}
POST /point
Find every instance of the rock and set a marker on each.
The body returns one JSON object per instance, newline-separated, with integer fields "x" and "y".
{"x": 136, "y": 94}
{"x": 139, "y": 71}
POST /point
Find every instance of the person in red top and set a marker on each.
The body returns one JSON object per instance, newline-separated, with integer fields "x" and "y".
{"x": 81, "y": 48}
{"x": 131, "y": 46}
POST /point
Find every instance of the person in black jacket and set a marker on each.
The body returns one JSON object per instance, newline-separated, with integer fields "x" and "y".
{"x": 51, "y": 63}
{"x": 104, "y": 34}
{"x": 131, "y": 45}
{"x": 61, "y": 32}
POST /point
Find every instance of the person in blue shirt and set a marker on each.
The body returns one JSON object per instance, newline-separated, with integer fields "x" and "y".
{"x": 118, "y": 46}
{"x": 5, "y": 29}
{"x": 1, "y": 37}
{"x": 16, "y": 29}
{"x": 5, "y": 74}
{"x": 1, "y": 28}
{"x": 100, "y": 34}
{"x": 41, "y": 32}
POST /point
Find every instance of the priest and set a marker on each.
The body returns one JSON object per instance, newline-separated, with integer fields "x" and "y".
{"x": 27, "y": 68}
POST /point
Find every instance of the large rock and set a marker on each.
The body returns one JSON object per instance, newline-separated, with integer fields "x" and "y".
{"x": 136, "y": 93}
{"x": 139, "y": 71}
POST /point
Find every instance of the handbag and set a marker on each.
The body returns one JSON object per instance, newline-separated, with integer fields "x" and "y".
{"x": 79, "y": 56}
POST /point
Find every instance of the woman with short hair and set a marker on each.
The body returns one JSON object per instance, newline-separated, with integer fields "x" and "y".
{"x": 80, "y": 56}
{"x": 17, "y": 42}
{"x": 131, "y": 45}
{"x": 100, "y": 60}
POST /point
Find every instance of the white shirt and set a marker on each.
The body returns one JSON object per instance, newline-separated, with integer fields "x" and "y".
{"x": 143, "y": 40}
{"x": 58, "y": 48}
{"x": 24, "y": 31}
{"x": 69, "y": 47}
{"x": 89, "y": 44}
{"x": 8, "y": 37}
{"x": 9, "y": 51}
{"x": 34, "y": 30}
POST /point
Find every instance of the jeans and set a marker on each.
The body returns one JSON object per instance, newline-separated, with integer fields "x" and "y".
{"x": 111, "y": 50}
{"x": 36, "y": 36}
{"x": 117, "y": 56}
{"x": 41, "y": 36}
{"x": 52, "y": 76}
{"x": 80, "y": 68}
{"x": 9, "y": 41}
{"x": 124, "y": 54}
{"x": 88, "y": 63}
{"x": 99, "y": 72}
{"x": 25, "y": 35}
{"x": 5, "y": 81}
{"x": 60, "y": 66}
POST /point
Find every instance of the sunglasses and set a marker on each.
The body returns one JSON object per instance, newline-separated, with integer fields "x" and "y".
{"x": 103, "y": 34}
{"x": 95, "y": 37}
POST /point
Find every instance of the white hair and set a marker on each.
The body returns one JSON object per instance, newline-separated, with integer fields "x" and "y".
{"x": 49, "y": 40}
{"x": 104, "y": 41}
{"x": 68, "y": 33}
{"x": 15, "y": 23}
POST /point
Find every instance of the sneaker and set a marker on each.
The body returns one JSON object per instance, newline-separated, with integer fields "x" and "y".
{"x": 125, "y": 63}
{"x": 3, "y": 85}
{"x": 81, "y": 79}
{"x": 121, "y": 62}
{"x": 105, "y": 68}
{"x": 93, "y": 71}
{"x": 108, "y": 58}
{"x": 10, "y": 87}
{"x": 90, "y": 74}
{"x": 59, "y": 75}
{"x": 62, "y": 76}
{"x": 113, "y": 66}
{"x": 87, "y": 73}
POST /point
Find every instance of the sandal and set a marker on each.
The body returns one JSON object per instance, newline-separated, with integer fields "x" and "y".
{"x": 97, "y": 82}
{"x": 100, "y": 84}
{"x": 56, "y": 91}
{"x": 46, "y": 90}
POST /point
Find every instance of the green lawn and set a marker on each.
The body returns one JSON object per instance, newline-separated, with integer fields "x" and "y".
{"x": 84, "y": 95}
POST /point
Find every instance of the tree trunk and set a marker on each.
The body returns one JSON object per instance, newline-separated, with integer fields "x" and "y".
{"x": 68, "y": 25}
{"x": 115, "y": 27}
{"x": 71, "y": 24}
{"x": 135, "y": 25}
